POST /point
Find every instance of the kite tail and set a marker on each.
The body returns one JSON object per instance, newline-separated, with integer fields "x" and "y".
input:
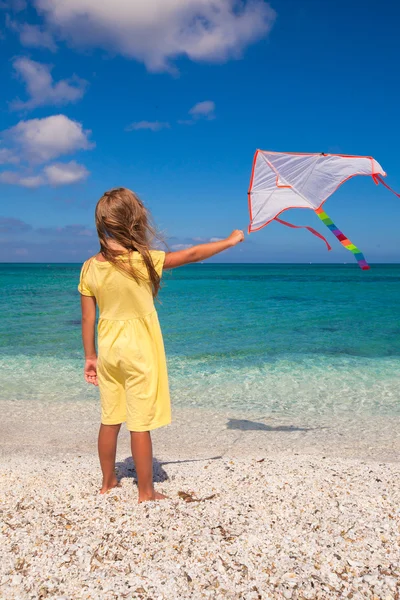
{"x": 358, "y": 255}
{"x": 378, "y": 179}
{"x": 310, "y": 229}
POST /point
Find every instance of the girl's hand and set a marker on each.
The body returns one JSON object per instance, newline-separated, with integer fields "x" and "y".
{"x": 90, "y": 371}
{"x": 236, "y": 237}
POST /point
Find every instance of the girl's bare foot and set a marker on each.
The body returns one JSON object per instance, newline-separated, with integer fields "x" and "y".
{"x": 153, "y": 496}
{"x": 107, "y": 486}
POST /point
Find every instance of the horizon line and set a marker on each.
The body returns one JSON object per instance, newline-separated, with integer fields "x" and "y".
{"x": 213, "y": 263}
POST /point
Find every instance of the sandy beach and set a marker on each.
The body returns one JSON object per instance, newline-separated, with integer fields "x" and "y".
{"x": 262, "y": 508}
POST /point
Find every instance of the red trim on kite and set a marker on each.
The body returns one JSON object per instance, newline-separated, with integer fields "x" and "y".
{"x": 378, "y": 178}
{"x": 251, "y": 230}
{"x": 310, "y": 229}
{"x": 249, "y": 191}
{"x": 320, "y": 154}
{"x": 271, "y": 166}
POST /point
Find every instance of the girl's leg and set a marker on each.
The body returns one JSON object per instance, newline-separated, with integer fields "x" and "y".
{"x": 142, "y": 454}
{"x": 107, "y": 446}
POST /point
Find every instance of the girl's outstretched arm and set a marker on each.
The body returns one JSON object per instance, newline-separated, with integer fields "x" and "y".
{"x": 88, "y": 306}
{"x": 202, "y": 251}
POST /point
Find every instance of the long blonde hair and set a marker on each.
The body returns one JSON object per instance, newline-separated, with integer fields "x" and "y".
{"x": 121, "y": 216}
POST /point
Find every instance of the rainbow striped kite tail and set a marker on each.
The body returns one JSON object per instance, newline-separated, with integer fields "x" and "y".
{"x": 358, "y": 255}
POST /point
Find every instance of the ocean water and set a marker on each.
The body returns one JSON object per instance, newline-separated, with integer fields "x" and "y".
{"x": 298, "y": 340}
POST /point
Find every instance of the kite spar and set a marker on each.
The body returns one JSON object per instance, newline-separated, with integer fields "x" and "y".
{"x": 284, "y": 180}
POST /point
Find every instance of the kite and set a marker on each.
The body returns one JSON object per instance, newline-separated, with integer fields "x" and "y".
{"x": 284, "y": 180}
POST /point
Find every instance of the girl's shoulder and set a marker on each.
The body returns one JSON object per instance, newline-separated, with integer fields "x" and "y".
{"x": 157, "y": 254}
{"x": 98, "y": 258}
{"x": 157, "y": 257}
{"x": 88, "y": 265}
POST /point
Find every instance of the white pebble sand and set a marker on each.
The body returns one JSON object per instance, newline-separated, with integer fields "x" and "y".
{"x": 280, "y": 510}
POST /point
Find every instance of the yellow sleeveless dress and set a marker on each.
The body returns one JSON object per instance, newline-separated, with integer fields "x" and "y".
{"x": 131, "y": 366}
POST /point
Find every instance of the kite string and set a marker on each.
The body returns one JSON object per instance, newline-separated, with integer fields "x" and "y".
{"x": 310, "y": 229}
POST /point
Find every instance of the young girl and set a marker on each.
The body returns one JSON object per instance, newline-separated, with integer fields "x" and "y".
{"x": 130, "y": 368}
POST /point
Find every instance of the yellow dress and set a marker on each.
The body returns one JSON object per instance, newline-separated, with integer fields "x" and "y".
{"x": 131, "y": 366}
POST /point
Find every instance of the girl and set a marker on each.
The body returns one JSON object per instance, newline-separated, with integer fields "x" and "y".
{"x": 130, "y": 369}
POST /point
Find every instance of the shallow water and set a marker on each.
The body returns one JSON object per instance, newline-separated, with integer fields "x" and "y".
{"x": 293, "y": 340}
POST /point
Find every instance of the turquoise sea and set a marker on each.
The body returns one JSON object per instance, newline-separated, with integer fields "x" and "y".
{"x": 282, "y": 339}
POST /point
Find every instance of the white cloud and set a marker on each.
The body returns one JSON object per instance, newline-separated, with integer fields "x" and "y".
{"x": 87, "y": 233}
{"x": 182, "y": 244}
{"x": 7, "y": 157}
{"x": 151, "y": 125}
{"x": 41, "y": 87}
{"x": 65, "y": 173}
{"x": 54, "y": 174}
{"x": 14, "y": 5}
{"x": 15, "y": 178}
{"x": 203, "y": 109}
{"x": 33, "y": 36}
{"x": 176, "y": 247}
{"x": 8, "y": 177}
{"x": 10, "y": 225}
{"x": 32, "y": 181}
{"x": 186, "y": 122}
{"x": 41, "y": 140}
{"x": 156, "y": 32}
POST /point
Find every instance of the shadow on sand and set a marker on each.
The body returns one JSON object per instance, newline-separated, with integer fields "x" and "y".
{"x": 126, "y": 468}
{"x": 244, "y": 425}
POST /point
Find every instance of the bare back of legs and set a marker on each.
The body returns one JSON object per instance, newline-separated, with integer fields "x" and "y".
{"x": 142, "y": 454}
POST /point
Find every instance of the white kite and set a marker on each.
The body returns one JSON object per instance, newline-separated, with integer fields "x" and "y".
{"x": 284, "y": 180}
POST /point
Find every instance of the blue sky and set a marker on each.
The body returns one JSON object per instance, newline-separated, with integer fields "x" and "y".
{"x": 171, "y": 99}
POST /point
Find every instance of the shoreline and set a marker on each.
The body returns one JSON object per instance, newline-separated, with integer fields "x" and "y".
{"x": 50, "y": 428}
